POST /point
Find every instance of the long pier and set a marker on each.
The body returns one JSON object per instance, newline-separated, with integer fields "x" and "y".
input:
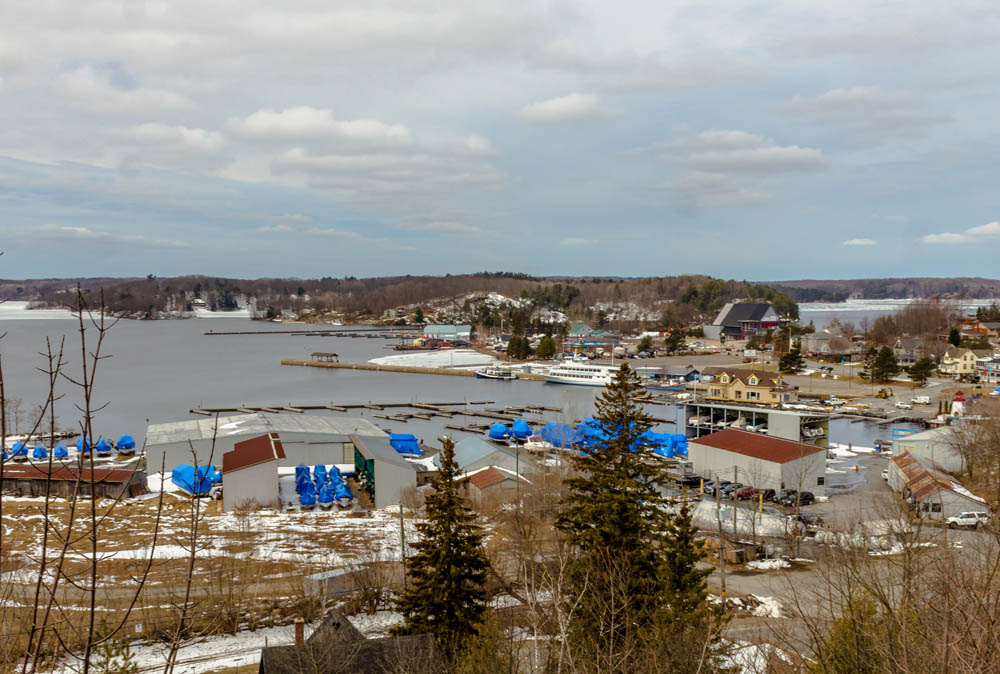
{"x": 454, "y": 372}
{"x": 321, "y": 332}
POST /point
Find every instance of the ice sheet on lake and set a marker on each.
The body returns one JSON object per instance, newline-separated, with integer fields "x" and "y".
{"x": 460, "y": 358}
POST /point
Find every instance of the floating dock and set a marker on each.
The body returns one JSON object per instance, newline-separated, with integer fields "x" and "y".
{"x": 454, "y": 372}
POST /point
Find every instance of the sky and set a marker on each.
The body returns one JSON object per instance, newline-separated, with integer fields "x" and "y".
{"x": 745, "y": 140}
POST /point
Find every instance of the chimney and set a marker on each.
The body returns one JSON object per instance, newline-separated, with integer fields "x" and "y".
{"x": 300, "y": 630}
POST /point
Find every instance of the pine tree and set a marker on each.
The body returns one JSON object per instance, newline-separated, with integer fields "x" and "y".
{"x": 546, "y": 347}
{"x": 675, "y": 342}
{"x": 792, "y": 361}
{"x": 418, "y": 316}
{"x": 446, "y": 595}
{"x": 885, "y": 367}
{"x": 868, "y": 366}
{"x": 685, "y": 587}
{"x": 954, "y": 337}
{"x": 921, "y": 370}
{"x": 613, "y": 519}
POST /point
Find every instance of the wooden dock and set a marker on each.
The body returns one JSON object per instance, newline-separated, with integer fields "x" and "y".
{"x": 454, "y": 372}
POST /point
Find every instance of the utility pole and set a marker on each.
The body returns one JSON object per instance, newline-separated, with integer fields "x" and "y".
{"x": 735, "y": 482}
{"x": 722, "y": 556}
{"x": 402, "y": 542}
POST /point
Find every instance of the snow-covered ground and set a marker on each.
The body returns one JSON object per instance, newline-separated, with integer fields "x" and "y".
{"x": 200, "y": 312}
{"x": 18, "y": 311}
{"x": 458, "y": 358}
{"x": 768, "y": 564}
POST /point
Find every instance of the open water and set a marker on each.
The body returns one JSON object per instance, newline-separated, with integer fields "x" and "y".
{"x": 156, "y": 371}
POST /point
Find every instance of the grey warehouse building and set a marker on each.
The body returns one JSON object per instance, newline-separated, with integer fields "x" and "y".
{"x": 308, "y": 439}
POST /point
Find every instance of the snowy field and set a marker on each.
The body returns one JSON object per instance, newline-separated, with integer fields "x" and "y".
{"x": 459, "y": 358}
{"x": 18, "y": 311}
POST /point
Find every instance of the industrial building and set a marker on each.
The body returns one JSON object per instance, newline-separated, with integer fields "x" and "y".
{"x": 704, "y": 417}
{"x": 305, "y": 438}
{"x": 474, "y": 453}
{"x": 250, "y": 472}
{"x": 383, "y": 472}
{"x": 448, "y": 333}
{"x": 932, "y": 493}
{"x": 936, "y": 445}
{"x": 759, "y": 461}
{"x": 72, "y": 481}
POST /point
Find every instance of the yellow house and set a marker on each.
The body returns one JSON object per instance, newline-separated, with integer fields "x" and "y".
{"x": 960, "y": 362}
{"x": 749, "y": 386}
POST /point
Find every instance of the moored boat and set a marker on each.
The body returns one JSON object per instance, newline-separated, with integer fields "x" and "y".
{"x": 501, "y": 372}
{"x": 581, "y": 375}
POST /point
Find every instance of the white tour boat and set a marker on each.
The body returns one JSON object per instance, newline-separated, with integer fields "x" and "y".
{"x": 502, "y": 372}
{"x": 580, "y": 374}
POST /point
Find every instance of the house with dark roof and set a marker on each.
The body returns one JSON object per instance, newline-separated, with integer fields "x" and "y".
{"x": 748, "y": 386}
{"x": 759, "y": 461}
{"x": 491, "y": 483}
{"x": 336, "y": 646}
{"x": 743, "y": 320}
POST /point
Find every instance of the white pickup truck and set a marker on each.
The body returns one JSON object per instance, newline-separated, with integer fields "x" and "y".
{"x": 968, "y": 519}
{"x": 922, "y": 400}
{"x": 903, "y": 405}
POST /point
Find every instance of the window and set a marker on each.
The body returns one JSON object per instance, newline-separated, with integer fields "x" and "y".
{"x": 724, "y": 379}
{"x": 820, "y": 481}
{"x": 935, "y": 507}
{"x": 739, "y": 394}
{"x": 753, "y": 381}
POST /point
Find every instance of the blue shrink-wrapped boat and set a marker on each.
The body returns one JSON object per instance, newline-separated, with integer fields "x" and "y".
{"x": 325, "y": 497}
{"x": 343, "y": 494}
{"x": 20, "y": 451}
{"x": 82, "y": 446}
{"x": 498, "y": 432}
{"x": 521, "y": 430}
{"x": 126, "y": 445}
{"x": 60, "y": 452}
{"x": 183, "y": 477}
{"x": 405, "y": 443}
{"x": 103, "y": 447}
{"x": 307, "y": 500}
{"x": 40, "y": 453}
{"x": 319, "y": 473}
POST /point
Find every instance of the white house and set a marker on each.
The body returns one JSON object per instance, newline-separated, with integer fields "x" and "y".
{"x": 760, "y": 461}
{"x": 931, "y": 492}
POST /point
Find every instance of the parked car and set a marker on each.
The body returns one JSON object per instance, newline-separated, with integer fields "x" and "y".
{"x": 771, "y": 510}
{"x": 973, "y": 520}
{"x": 744, "y": 493}
{"x": 804, "y": 498}
{"x": 903, "y": 405}
{"x": 922, "y": 400}
{"x": 810, "y": 519}
{"x": 690, "y": 481}
{"x": 714, "y": 487}
{"x": 780, "y": 495}
{"x": 768, "y": 495}
{"x": 885, "y": 474}
{"x": 727, "y": 490}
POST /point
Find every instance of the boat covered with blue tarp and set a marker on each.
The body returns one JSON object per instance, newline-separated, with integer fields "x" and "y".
{"x": 405, "y": 443}
{"x": 184, "y": 478}
{"x": 60, "y": 452}
{"x": 40, "y": 453}
{"x": 498, "y": 432}
{"x": 521, "y": 430}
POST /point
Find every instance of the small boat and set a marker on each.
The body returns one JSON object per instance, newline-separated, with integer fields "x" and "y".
{"x": 325, "y": 498}
{"x": 498, "y": 433}
{"x": 103, "y": 448}
{"x": 40, "y": 453}
{"x": 125, "y": 445}
{"x": 581, "y": 375}
{"x": 501, "y": 372}
{"x": 183, "y": 477}
{"x": 20, "y": 452}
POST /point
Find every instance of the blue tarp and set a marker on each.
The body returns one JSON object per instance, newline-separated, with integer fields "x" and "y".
{"x": 340, "y": 491}
{"x": 183, "y": 476}
{"x": 83, "y": 447}
{"x": 20, "y": 449}
{"x": 126, "y": 442}
{"x": 307, "y": 488}
{"x": 307, "y": 499}
{"x": 558, "y": 435}
{"x": 60, "y": 452}
{"x": 325, "y": 494}
{"x": 521, "y": 429}
{"x": 499, "y": 432}
{"x": 405, "y": 443}
{"x": 103, "y": 446}
{"x": 319, "y": 472}
{"x": 300, "y": 470}
{"x": 40, "y": 453}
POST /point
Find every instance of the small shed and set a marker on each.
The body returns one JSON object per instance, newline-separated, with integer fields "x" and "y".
{"x": 931, "y": 492}
{"x": 250, "y": 472}
{"x": 491, "y": 484}
{"x": 70, "y": 481}
{"x": 382, "y": 471}
{"x": 474, "y": 453}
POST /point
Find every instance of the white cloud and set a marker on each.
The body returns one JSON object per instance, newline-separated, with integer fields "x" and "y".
{"x": 276, "y": 229}
{"x": 873, "y": 113}
{"x": 569, "y": 108}
{"x": 972, "y": 235}
{"x": 83, "y": 236}
{"x": 575, "y": 241}
{"x": 309, "y": 125}
{"x": 167, "y": 145}
{"x": 329, "y": 232}
{"x": 443, "y": 227}
{"x": 860, "y": 242}
{"x": 90, "y": 90}
{"x": 727, "y": 167}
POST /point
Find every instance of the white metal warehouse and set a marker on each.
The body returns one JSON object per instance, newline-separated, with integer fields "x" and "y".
{"x": 305, "y": 438}
{"x": 759, "y": 461}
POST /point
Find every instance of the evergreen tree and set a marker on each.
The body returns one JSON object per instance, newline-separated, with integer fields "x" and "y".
{"x": 613, "y": 519}
{"x": 445, "y": 595}
{"x": 885, "y": 367}
{"x": 954, "y": 337}
{"x": 921, "y": 370}
{"x": 546, "y": 347}
{"x": 792, "y": 361}
{"x": 685, "y": 586}
{"x": 675, "y": 342}
{"x": 418, "y": 316}
{"x": 645, "y": 344}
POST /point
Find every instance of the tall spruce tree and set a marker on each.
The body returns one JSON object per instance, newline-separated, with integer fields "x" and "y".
{"x": 685, "y": 587}
{"x": 792, "y": 361}
{"x": 613, "y": 519}
{"x": 446, "y": 595}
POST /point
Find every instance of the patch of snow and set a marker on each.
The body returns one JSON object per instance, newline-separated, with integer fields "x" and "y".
{"x": 377, "y": 625}
{"x": 457, "y": 358}
{"x": 768, "y": 564}
{"x": 768, "y": 607}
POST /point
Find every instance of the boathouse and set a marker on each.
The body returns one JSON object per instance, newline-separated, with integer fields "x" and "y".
{"x": 29, "y": 479}
{"x": 759, "y": 461}
{"x": 250, "y": 472}
{"x": 305, "y": 438}
{"x": 383, "y": 472}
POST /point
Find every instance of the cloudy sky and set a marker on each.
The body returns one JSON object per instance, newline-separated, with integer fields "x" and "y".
{"x": 327, "y": 138}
